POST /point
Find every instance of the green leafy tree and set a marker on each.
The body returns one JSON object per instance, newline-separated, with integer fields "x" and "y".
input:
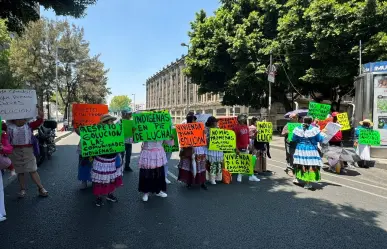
{"x": 20, "y": 12}
{"x": 119, "y": 102}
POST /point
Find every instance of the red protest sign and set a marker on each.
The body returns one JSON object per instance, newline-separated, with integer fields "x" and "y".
{"x": 323, "y": 123}
{"x": 227, "y": 123}
{"x": 88, "y": 114}
{"x": 191, "y": 135}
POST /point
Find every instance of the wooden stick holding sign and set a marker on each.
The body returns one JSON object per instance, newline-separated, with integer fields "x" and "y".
{"x": 101, "y": 139}
{"x": 264, "y": 131}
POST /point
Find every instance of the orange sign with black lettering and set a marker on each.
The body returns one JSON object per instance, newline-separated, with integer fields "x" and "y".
{"x": 191, "y": 135}
{"x": 227, "y": 123}
{"x": 88, "y": 114}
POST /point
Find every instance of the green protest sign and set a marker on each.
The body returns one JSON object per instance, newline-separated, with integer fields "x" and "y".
{"x": 369, "y": 137}
{"x": 127, "y": 126}
{"x": 152, "y": 126}
{"x": 291, "y": 127}
{"x": 241, "y": 164}
{"x": 101, "y": 139}
{"x": 222, "y": 140}
{"x": 319, "y": 111}
{"x": 175, "y": 146}
{"x": 264, "y": 131}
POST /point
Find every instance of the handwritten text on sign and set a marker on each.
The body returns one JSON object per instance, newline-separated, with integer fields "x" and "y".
{"x": 222, "y": 140}
{"x": 265, "y": 131}
{"x": 227, "y": 123}
{"x": 369, "y": 137}
{"x": 175, "y": 146}
{"x": 101, "y": 139}
{"x": 88, "y": 114}
{"x": 319, "y": 111}
{"x": 17, "y": 104}
{"x": 343, "y": 120}
{"x": 152, "y": 126}
{"x": 291, "y": 127}
{"x": 241, "y": 164}
{"x": 191, "y": 135}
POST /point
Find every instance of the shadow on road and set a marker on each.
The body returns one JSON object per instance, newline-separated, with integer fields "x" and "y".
{"x": 271, "y": 214}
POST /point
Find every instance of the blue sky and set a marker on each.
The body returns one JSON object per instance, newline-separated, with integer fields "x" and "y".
{"x": 138, "y": 38}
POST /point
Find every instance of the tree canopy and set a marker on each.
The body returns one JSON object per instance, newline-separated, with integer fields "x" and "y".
{"x": 20, "y": 12}
{"x": 119, "y": 103}
{"x": 314, "y": 44}
{"x": 81, "y": 78}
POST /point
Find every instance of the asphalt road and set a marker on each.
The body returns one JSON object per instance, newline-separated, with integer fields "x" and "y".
{"x": 344, "y": 212}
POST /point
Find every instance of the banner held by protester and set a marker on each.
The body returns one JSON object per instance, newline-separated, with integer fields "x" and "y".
{"x": 191, "y": 135}
{"x": 152, "y": 126}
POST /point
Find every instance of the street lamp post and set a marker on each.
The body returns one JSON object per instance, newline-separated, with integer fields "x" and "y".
{"x": 186, "y": 45}
{"x": 134, "y": 102}
{"x": 57, "y": 83}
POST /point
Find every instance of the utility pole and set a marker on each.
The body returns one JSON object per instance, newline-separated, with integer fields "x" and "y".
{"x": 57, "y": 83}
{"x": 270, "y": 72}
{"x": 360, "y": 66}
{"x": 186, "y": 45}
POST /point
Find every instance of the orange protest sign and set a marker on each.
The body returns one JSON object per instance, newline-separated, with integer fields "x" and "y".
{"x": 323, "y": 123}
{"x": 88, "y": 114}
{"x": 191, "y": 135}
{"x": 227, "y": 123}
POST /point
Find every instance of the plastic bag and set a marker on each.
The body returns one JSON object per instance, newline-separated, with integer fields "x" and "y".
{"x": 226, "y": 176}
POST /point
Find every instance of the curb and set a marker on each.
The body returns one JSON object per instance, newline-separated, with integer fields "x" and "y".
{"x": 8, "y": 181}
{"x": 378, "y": 165}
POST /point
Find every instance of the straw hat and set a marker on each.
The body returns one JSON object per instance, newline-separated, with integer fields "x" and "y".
{"x": 366, "y": 121}
{"x": 106, "y": 117}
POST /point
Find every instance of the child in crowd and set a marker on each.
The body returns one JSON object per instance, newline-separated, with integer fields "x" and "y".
{"x": 22, "y": 139}
{"x": 242, "y": 141}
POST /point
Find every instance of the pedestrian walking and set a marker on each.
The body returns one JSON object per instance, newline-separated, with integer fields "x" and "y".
{"x": 363, "y": 150}
{"x": 214, "y": 158}
{"x": 127, "y": 115}
{"x": 85, "y": 164}
{"x": 307, "y": 158}
{"x": 5, "y": 163}
{"x": 107, "y": 171}
{"x": 152, "y": 173}
{"x": 242, "y": 142}
{"x": 23, "y": 158}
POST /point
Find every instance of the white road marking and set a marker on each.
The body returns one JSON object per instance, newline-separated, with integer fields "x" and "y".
{"x": 344, "y": 178}
{"x": 360, "y": 190}
{"x": 172, "y": 175}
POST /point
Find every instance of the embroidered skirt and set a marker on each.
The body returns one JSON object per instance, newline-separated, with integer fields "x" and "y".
{"x": 105, "y": 176}
{"x": 307, "y": 155}
{"x": 186, "y": 170}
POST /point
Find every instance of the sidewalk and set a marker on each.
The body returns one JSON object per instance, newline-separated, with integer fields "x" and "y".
{"x": 278, "y": 143}
{"x": 59, "y": 135}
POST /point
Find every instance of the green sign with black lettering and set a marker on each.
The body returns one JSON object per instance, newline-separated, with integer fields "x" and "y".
{"x": 100, "y": 139}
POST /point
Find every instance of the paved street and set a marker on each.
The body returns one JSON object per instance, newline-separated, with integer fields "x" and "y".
{"x": 344, "y": 212}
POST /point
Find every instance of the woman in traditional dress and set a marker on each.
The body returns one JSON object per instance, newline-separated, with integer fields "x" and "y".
{"x": 152, "y": 173}
{"x": 22, "y": 139}
{"x": 214, "y": 158}
{"x": 363, "y": 150}
{"x": 307, "y": 159}
{"x": 192, "y": 165}
{"x": 107, "y": 171}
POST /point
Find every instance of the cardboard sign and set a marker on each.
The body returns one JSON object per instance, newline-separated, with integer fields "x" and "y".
{"x": 101, "y": 139}
{"x": 227, "y": 123}
{"x": 291, "y": 127}
{"x": 331, "y": 130}
{"x": 127, "y": 126}
{"x": 241, "y": 164}
{"x": 18, "y": 104}
{"x": 319, "y": 111}
{"x": 264, "y": 131}
{"x": 152, "y": 126}
{"x": 222, "y": 140}
{"x": 369, "y": 137}
{"x": 343, "y": 120}
{"x": 88, "y": 114}
{"x": 175, "y": 146}
{"x": 191, "y": 135}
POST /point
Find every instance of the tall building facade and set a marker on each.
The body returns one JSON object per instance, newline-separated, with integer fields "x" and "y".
{"x": 167, "y": 90}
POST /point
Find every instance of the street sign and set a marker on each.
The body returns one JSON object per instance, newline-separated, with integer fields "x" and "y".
{"x": 272, "y": 69}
